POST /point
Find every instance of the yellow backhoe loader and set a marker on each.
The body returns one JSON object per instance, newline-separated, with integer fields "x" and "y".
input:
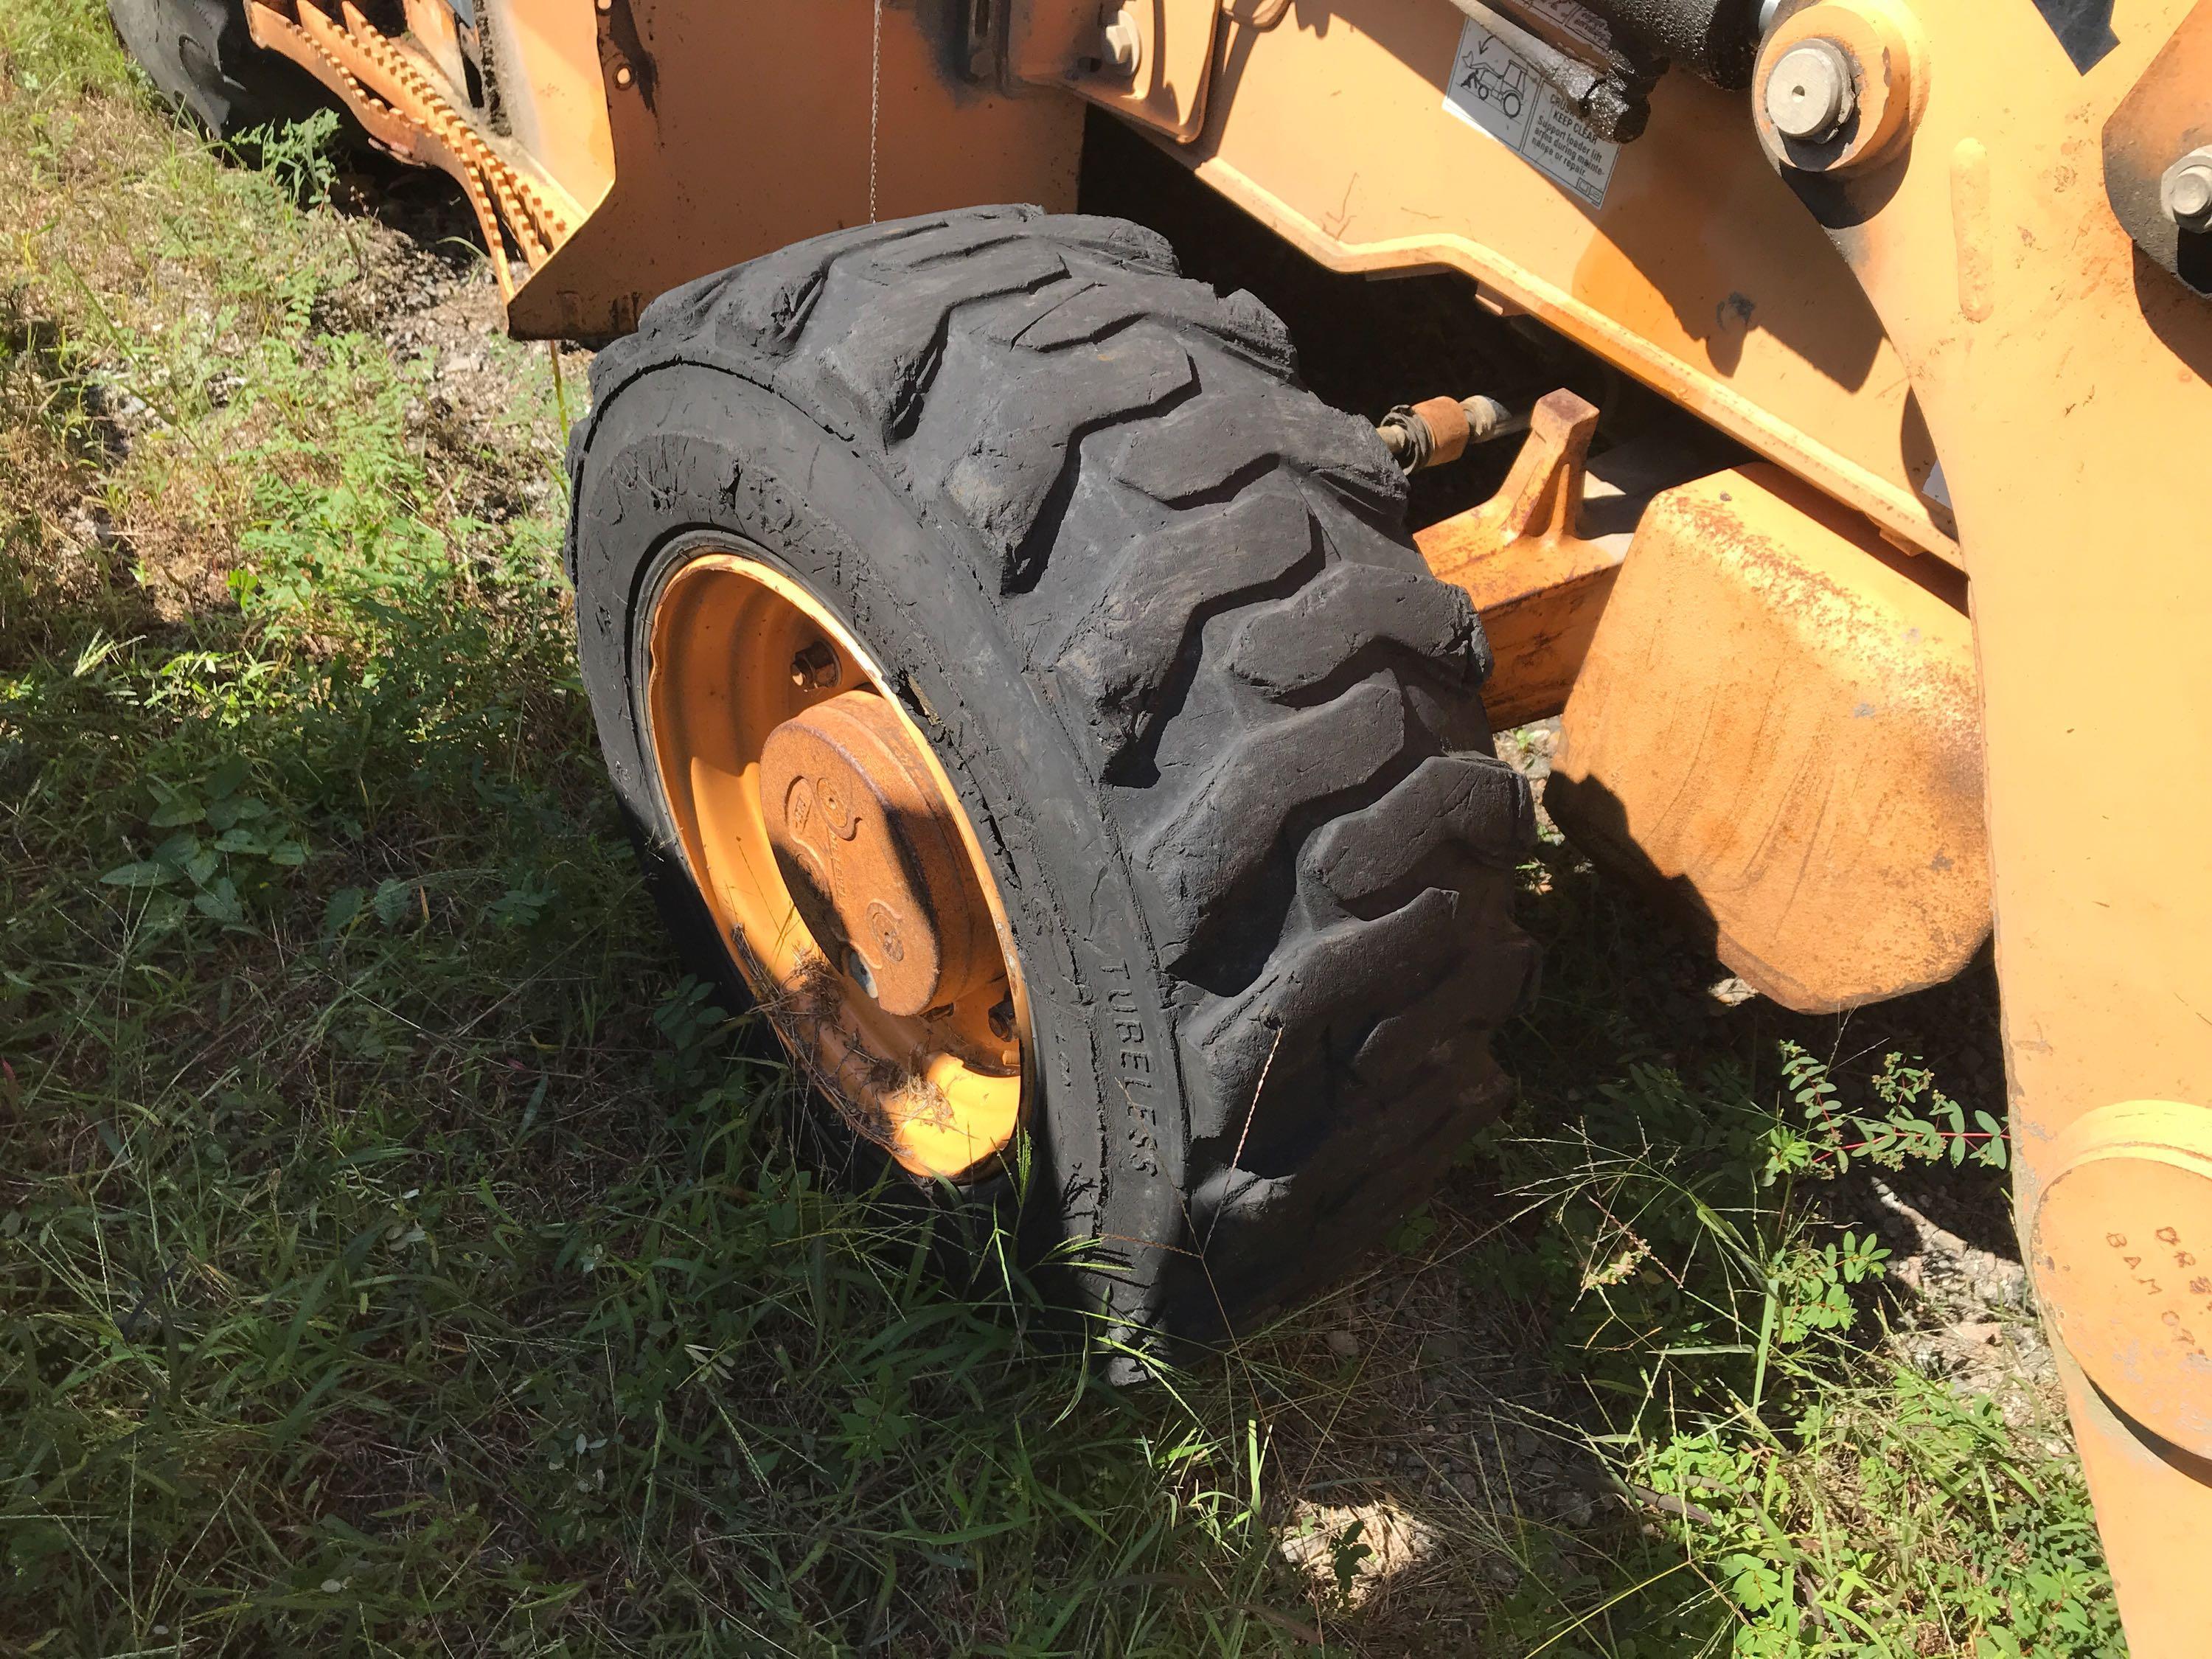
{"x": 1028, "y": 692}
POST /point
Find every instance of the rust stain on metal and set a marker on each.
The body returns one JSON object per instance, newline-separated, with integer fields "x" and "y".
{"x": 1448, "y": 426}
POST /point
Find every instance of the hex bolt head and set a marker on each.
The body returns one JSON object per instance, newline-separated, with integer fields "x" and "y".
{"x": 1124, "y": 45}
{"x": 815, "y": 669}
{"x": 1810, "y": 92}
{"x": 857, "y": 970}
{"x": 2187, "y": 190}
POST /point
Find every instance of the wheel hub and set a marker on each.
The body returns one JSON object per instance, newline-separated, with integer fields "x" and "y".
{"x": 834, "y": 854}
{"x": 872, "y": 855}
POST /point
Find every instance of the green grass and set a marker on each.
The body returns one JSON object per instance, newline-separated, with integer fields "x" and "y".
{"x": 396, "y": 1255}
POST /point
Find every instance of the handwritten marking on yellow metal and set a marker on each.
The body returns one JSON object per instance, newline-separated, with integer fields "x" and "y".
{"x": 2120, "y": 1244}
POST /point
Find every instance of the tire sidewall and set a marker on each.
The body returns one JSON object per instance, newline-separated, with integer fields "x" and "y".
{"x": 683, "y": 456}
{"x": 234, "y": 85}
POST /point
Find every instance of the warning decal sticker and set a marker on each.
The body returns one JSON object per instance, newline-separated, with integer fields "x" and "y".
{"x": 1493, "y": 89}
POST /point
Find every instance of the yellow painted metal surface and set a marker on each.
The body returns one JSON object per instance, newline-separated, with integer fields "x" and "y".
{"x": 2120, "y": 1245}
{"x": 401, "y": 93}
{"x": 1724, "y": 297}
{"x": 1701, "y": 274}
{"x": 555, "y": 105}
{"x": 1538, "y": 583}
{"x": 737, "y": 129}
{"x": 1175, "y": 63}
{"x": 2064, "y": 379}
{"x": 431, "y": 27}
{"x": 1779, "y": 733}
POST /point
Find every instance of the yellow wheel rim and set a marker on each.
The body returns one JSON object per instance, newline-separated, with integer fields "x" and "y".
{"x": 837, "y": 862}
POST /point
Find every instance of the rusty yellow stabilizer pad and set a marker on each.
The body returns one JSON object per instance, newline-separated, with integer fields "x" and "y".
{"x": 1782, "y": 730}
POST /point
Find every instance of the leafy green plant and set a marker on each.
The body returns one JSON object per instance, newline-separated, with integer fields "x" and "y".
{"x": 299, "y": 156}
{"x": 1709, "y": 1303}
{"x": 1916, "y": 1122}
{"x": 226, "y": 847}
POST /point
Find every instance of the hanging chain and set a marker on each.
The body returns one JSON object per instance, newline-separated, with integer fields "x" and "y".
{"x": 875, "y": 111}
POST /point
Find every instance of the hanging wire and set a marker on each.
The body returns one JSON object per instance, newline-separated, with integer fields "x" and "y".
{"x": 875, "y": 111}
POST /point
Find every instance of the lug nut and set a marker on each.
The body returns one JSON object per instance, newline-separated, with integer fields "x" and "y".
{"x": 1124, "y": 45}
{"x": 2187, "y": 190}
{"x": 1810, "y": 93}
{"x": 859, "y": 973}
{"x": 1002, "y": 1019}
{"x": 816, "y": 668}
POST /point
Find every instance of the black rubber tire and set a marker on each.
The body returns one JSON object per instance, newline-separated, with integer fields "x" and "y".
{"x": 199, "y": 57}
{"x": 1219, "y": 729}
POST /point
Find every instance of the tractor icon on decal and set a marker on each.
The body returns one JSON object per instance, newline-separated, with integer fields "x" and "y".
{"x": 1502, "y": 85}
